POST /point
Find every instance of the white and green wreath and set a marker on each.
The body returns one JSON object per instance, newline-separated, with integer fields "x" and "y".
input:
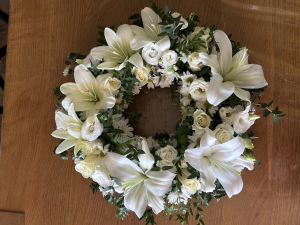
{"x": 211, "y": 81}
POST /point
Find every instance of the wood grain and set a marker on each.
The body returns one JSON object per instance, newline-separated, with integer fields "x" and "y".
{"x": 12, "y": 218}
{"x": 41, "y": 33}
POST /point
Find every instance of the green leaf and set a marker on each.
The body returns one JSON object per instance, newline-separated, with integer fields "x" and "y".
{"x": 282, "y": 115}
{"x": 107, "y": 188}
{"x": 167, "y": 10}
{"x": 155, "y": 169}
{"x": 266, "y": 112}
{"x": 140, "y": 152}
{"x": 270, "y": 103}
{"x": 167, "y": 167}
{"x": 67, "y": 62}
{"x": 275, "y": 118}
{"x": 135, "y": 16}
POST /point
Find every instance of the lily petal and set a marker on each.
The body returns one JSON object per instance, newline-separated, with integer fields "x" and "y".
{"x": 218, "y": 91}
{"x": 150, "y": 21}
{"x": 242, "y": 94}
{"x": 85, "y": 80}
{"x": 107, "y": 100}
{"x": 225, "y": 49}
{"x": 129, "y": 172}
{"x": 136, "y": 199}
{"x": 73, "y": 114}
{"x": 155, "y": 202}
{"x": 68, "y": 88}
{"x": 108, "y": 65}
{"x": 164, "y": 43}
{"x": 147, "y": 159}
{"x": 208, "y": 139}
{"x": 211, "y": 61}
{"x": 193, "y": 157}
{"x": 125, "y": 35}
{"x": 63, "y": 120}
{"x": 229, "y": 150}
{"x": 159, "y": 181}
{"x": 229, "y": 178}
{"x": 62, "y": 134}
{"x": 138, "y": 31}
{"x": 240, "y": 163}
{"x": 65, "y": 145}
{"x": 136, "y": 60}
{"x": 208, "y": 179}
{"x": 139, "y": 42}
{"x": 74, "y": 130}
{"x": 251, "y": 78}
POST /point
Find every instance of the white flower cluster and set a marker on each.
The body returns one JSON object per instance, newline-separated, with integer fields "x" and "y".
{"x": 207, "y": 145}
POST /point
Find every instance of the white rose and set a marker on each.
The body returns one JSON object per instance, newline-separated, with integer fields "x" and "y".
{"x": 169, "y": 58}
{"x": 92, "y": 131}
{"x": 191, "y": 186}
{"x": 142, "y": 74}
{"x": 198, "y": 89}
{"x": 108, "y": 82}
{"x": 241, "y": 122}
{"x": 183, "y": 164}
{"x": 101, "y": 176}
{"x": 195, "y": 62}
{"x": 224, "y": 132}
{"x": 151, "y": 54}
{"x": 87, "y": 166}
{"x": 167, "y": 155}
{"x": 201, "y": 121}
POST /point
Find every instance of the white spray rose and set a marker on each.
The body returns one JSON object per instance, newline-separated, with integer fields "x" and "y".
{"x": 142, "y": 74}
{"x": 227, "y": 114}
{"x": 241, "y": 122}
{"x": 201, "y": 121}
{"x": 195, "y": 62}
{"x": 176, "y": 198}
{"x": 169, "y": 58}
{"x": 101, "y": 176}
{"x": 224, "y": 132}
{"x": 191, "y": 186}
{"x": 198, "y": 89}
{"x": 87, "y": 166}
{"x": 91, "y": 131}
{"x": 167, "y": 155}
{"x": 151, "y": 54}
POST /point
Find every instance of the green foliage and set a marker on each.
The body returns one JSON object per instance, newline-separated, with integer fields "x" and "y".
{"x": 94, "y": 187}
{"x": 58, "y": 94}
{"x": 149, "y": 216}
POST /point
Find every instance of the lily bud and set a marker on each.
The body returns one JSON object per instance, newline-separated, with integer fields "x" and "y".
{"x": 79, "y": 61}
{"x": 175, "y": 68}
{"x": 250, "y": 157}
{"x": 248, "y": 143}
{"x": 160, "y": 61}
{"x": 253, "y": 117}
{"x": 170, "y": 71}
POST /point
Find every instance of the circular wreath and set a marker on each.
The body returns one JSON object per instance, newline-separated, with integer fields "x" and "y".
{"x": 206, "y": 73}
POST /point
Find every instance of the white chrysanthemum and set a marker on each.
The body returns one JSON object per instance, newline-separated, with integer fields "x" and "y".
{"x": 124, "y": 126}
{"x": 163, "y": 82}
{"x": 66, "y": 71}
{"x": 183, "y": 58}
{"x": 150, "y": 83}
{"x": 176, "y": 198}
{"x": 136, "y": 89}
{"x": 186, "y": 97}
{"x": 91, "y": 131}
{"x": 187, "y": 79}
{"x": 201, "y": 105}
{"x": 152, "y": 143}
{"x": 194, "y": 140}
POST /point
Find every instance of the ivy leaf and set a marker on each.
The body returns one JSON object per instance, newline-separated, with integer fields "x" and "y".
{"x": 155, "y": 169}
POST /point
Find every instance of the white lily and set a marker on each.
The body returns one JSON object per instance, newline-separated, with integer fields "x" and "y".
{"x": 150, "y": 32}
{"x": 214, "y": 161}
{"x": 70, "y": 130}
{"x": 230, "y": 74}
{"x": 142, "y": 186}
{"x": 86, "y": 92}
{"x": 118, "y": 50}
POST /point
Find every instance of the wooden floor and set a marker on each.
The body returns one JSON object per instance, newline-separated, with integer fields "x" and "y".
{"x": 41, "y": 33}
